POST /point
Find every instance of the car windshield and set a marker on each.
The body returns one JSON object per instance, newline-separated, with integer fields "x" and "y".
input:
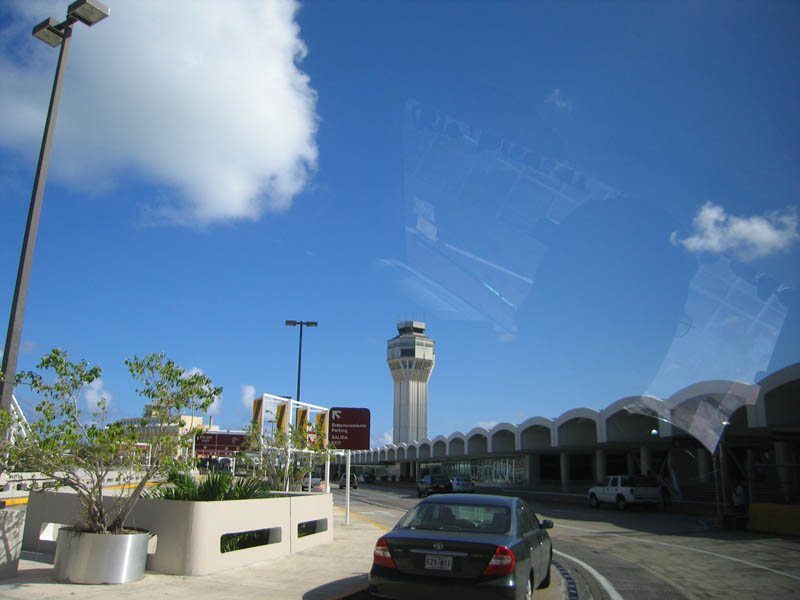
{"x": 457, "y": 517}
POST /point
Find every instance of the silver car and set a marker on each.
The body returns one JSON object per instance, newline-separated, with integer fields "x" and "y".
{"x": 462, "y": 484}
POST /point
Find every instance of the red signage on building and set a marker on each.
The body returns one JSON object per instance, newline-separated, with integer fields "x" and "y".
{"x": 348, "y": 428}
{"x": 214, "y": 443}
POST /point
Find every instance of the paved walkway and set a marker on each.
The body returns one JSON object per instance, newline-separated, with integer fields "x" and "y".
{"x": 324, "y": 573}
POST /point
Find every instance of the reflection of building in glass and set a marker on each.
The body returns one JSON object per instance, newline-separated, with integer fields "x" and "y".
{"x": 480, "y": 212}
{"x": 729, "y": 331}
{"x": 411, "y": 358}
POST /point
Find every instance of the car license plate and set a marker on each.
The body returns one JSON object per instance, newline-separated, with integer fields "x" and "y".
{"x": 439, "y": 563}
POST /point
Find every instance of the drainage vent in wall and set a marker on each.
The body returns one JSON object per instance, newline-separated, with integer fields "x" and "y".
{"x": 308, "y": 527}
{"x": 229, "y": 542}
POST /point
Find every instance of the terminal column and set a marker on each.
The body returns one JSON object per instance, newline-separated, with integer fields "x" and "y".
{"x": 703, "y": 465}
{"x": 782, "y": 461}
{"x": 645, "y": 455}
{"x": 535, "y": 469}
{"x": 564, "y": 471}
{"x": 599, "y": 464}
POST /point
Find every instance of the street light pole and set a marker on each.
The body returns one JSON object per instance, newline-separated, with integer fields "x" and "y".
{"x": 297, "y": 397}
{"x": 53, "y": 33}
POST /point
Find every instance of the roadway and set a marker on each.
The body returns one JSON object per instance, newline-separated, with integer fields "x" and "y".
{"x": 636, "y": 554}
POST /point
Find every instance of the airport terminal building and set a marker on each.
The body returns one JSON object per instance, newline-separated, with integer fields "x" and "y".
{"x": 699, "y": 443}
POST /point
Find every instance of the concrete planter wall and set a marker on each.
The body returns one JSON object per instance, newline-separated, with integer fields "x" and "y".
{"x": 188, "y": 534}
{"x": 12, "y": 521}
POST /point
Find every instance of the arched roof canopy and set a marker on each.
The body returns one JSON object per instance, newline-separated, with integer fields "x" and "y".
{"x": 503, "y": 437}
{"x": 777, "y": 405}
{"x": 478, "y": 441}
{"x": 536, "y": 433}
{"x": 456, "y": 444}
{"x": 424, "y": 450}
{"x": 702, "y": 410}
{"x": 632, "y": 420}
{"x": 577, "y": 427}
{"x": 439, "y": 448}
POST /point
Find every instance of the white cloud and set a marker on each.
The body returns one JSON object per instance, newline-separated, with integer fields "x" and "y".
{"x": 94, "y": 393}
{"x": 192, "y": 372}
{"x": 383, "y": 440}
{"x": 248, "y": 395}
{"x": 560, "y": 103}
{"x": 748, "y": 237}
{"x": 28, "y": 346}
{"x": 216, "y": 406}
{"x": 204, "y": 99}
{"x": 487, "y": 424}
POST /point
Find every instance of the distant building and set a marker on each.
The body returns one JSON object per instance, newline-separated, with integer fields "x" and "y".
{"x": 151, "y": 423}
{"x": 411, "y": 357}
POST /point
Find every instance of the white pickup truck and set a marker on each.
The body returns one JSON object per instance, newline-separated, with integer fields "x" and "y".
{"x": 623, "y": 490}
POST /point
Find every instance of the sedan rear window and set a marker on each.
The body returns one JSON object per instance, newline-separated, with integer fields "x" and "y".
{"x": 457, "y": 517}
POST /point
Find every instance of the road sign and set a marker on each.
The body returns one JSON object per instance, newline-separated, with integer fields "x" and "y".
{"x": 220, "y": 444}
{"x": 349, "y": 428}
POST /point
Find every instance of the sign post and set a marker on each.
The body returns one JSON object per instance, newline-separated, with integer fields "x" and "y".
{"x": 348, "y": 429}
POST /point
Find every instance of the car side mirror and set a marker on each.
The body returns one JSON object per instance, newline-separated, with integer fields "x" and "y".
{"x": 547, "y": 524}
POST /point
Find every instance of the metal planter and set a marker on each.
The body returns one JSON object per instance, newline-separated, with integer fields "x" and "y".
{"x": 100, "y": 557}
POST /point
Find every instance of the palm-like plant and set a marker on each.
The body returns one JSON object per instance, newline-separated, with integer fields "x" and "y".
{"x": 213, "y": 488}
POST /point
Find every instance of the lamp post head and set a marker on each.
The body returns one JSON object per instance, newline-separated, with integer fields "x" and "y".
{"x": 88, "y": 12}
{"x": 48, "y": 32}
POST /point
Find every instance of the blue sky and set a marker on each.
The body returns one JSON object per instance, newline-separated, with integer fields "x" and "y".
{"x": 583, "y": 201}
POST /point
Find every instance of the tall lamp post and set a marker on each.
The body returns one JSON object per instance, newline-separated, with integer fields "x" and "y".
{"x": 51, "y": 32}
{"x": 297, "y": 397}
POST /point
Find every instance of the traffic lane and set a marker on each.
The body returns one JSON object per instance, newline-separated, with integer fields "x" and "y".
{"x": 385, "y": 510}
{"x": 683, "y": 552}
{"x": 676, "y": 553}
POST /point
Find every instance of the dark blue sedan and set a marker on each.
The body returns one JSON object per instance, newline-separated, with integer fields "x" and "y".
{"x": 463, "y": 546}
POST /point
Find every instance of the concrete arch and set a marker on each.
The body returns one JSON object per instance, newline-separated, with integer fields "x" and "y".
{"x": 478, "y": 441}
{"x": 776, "y": 406}
{"x": 633, "y": 420}
{"x": 503, "y": 437}
{"x": 577, "y": 427}
{"x": 424, "y": 450}
{"x": 702, "y": 410}
{"x": 411, "y": 452}
{"x": 390, "y": 455}
{"x": 401, "y": 451}
{"x": 457, "y": 444}
{"x": 382, "y": 455}
{"x": 440, "y": 446}
{"x": 535, "y": 433}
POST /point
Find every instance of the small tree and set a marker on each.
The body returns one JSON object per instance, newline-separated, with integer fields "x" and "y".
{"x": 283, "y": 468}
{"x": 79, "y": 449}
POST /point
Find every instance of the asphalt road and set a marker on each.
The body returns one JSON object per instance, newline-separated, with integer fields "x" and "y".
{"x": 638, "y": 554}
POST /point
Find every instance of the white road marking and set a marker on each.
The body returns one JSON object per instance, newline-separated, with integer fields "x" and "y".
{"x": 688, "y": 548}
{"x": 605, "y": 583}
{"x": 377, "y": 512}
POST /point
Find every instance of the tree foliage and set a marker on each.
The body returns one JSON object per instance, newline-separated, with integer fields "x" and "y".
{"x": 78, "y": 448}
{"x": 285, "y": 457}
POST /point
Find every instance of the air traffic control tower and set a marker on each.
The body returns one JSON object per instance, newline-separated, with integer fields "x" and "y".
{"x": 411, "y": 357}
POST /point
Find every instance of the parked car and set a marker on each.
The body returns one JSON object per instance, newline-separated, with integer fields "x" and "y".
{"x": 315, "y": 480}
{"x": 431, "y": 484}
{"x": 462, "y": 484}
{"x": 463, "y": 546}
{"x": 624, "y": 490}
{"x": 353, "y": 481}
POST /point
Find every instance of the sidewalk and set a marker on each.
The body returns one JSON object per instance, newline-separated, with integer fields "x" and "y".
{"x": 324, "y": 573}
